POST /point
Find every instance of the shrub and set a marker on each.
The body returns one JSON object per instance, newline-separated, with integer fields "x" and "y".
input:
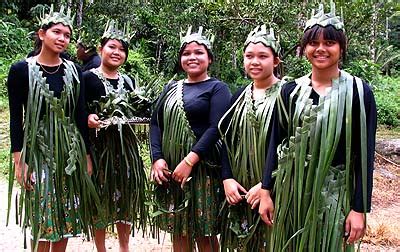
{"x": 387, "y": 96}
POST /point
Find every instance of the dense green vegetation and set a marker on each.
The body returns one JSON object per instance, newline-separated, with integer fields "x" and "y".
{"x": 373, "y": 30}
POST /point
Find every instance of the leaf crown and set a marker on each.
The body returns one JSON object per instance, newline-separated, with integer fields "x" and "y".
{"x": 112, "y": 31}
{"x": 55, "y": 17}
{"x": 324, "y": 19}
{"x": 259, "y": 34}
{"x": 197, "y": 37}
{"x": 87, "y": 39}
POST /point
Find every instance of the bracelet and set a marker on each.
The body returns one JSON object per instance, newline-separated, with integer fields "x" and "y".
{"x": 187, "y": 161}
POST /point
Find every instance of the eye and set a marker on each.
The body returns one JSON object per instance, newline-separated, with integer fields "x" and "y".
{"x": 199, "y": 52}
{"x": 185, "y": 53}
{"x": 68, "y": 36}
{"x": 248, "y": 56}
{"x": 313, "y": 43}
{"x": 331, "y": 42}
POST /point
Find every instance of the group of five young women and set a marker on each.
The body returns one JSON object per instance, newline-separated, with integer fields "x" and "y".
{"x": 274, "y": 135}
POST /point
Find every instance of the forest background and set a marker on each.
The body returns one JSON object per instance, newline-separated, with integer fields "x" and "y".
{"x": 372, "y": 28}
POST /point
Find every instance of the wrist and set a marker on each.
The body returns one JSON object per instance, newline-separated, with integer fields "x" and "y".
{"x": 188, "y": 162}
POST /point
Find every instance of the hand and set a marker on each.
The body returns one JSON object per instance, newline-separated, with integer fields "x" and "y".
{"x": 93, "y": 121}
{"x": 232, "y": 191}
{"x": 89, "y": 165}
{"x": 159, "y": 171}
{"x": 354, "y": 226}
{"x": 21, "y": 172}
{"x": 266, "y": 209}
{"x": 181, "y": 173}
{"x": 253, "y": 196}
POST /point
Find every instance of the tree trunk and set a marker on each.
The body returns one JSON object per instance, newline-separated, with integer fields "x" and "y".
{"x": 79, "y": 14}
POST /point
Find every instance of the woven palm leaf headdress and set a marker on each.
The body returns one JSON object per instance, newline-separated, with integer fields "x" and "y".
{"x": 259, "y": 34}
{"x": 112, "y": 31}
{"x": 324, "y": 19}
{"x": 55, "y": 17}
{"x": 197, "y": 37}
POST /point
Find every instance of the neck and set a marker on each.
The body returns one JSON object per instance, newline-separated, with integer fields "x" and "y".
{"x": 199, "y": 78}
{"x": 111, "y": 73}
{"x": 48, "y": 58}
{"x": 323, "y": 77}
{"x": 265, "y": 83}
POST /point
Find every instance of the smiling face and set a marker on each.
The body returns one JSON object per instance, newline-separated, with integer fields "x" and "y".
{"x": 55, "y": 38}
{"x": 323, "y": 53}
{"x": 194, "y": 61}
{"x": 259, "y": 62}
{"x": 113, "y": 54}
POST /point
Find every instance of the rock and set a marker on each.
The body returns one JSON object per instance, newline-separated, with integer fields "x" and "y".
{"x": 390, "y": 148}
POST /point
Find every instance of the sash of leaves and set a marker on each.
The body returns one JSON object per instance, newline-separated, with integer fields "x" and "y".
{"x": 54, "y": 149}
{"x": 117, "y": 146}
{"x": 312, "y": 198}
{"x": 246, "y": 133}
{"x": 170, "y": 201}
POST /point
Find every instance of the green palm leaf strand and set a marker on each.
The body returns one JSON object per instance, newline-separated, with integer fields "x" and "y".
{"x": 312, "y": 197}
{"x": 246, "y": 132}
{"x": 54, "y": 148}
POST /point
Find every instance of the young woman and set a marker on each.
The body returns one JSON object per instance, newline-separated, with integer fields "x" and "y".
{"x": 119, "y": 173}
{"x": 246, "y": 129}
{"x": 323, "y": 152}
{"x": 185, "y": 154}
{"x": 46, "y": 111}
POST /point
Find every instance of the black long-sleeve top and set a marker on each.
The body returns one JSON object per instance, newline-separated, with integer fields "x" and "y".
{"x": 204, "y": 103}
{"x": 94, "y": 87}
{"x": 18, "y": 87}
{"x": 279, "y": 132}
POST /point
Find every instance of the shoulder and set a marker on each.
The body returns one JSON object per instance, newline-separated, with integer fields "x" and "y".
{"x": 89, "y": 75}
{"x": 218, "y": 85}
{"x": 19, "y": 66}
{"x": 288, "y": 87}
{"x": 236, "y": 95}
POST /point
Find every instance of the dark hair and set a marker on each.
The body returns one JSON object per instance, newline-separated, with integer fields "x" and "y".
{"x": 38, "y": 43}
{"x": 209, "y": 53}
{"x": 329, "y": 33}
{"x": 125, "y": 45}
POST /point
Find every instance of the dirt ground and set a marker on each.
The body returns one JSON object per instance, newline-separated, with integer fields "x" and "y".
{"x": 382, "y": 231}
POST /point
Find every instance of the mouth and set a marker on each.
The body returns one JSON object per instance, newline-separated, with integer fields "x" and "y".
{"x": 60, "y": 46}
{"x": 321, "y": 57}
{"x": 255, "y": 70}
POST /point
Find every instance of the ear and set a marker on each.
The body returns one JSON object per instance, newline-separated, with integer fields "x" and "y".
{"x": 277, "y": 61}
{"x": 41, "y": 33}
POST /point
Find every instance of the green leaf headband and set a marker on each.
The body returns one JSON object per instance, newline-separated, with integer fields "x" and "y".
{"x": 196, "y": 37}
{"x": 259, "y": 34}
{"x": 88, "y": 39}
{"x": 112, "y": 32}
{"x": 57, "y": 17}
{"x": 324, "y": 20}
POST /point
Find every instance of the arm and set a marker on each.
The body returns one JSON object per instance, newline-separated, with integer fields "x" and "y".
{"x": 81, "y": 114}
{"x": 159, "y": 168}
{"x": 355, "y": 220}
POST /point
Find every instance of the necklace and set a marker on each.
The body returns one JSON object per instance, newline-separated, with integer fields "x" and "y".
{"x": 44, "y": 69}
{"x": 107, "y": 85}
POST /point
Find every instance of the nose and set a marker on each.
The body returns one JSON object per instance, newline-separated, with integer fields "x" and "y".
{"x": 320, "y": 47}
{"x": 255, "y": 61}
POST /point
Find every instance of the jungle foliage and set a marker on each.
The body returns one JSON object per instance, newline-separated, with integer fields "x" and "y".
{"x": 372, "y": 27}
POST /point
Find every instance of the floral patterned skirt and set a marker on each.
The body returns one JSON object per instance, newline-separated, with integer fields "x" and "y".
{"x": 57, "y": 216}
{"x": 193, "y": 211}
